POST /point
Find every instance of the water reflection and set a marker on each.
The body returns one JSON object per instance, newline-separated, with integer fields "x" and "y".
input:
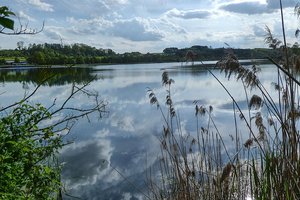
{"x": 40, "y": 76}
{"x": 85, "y": 162}
{"x": 126, "y": 141}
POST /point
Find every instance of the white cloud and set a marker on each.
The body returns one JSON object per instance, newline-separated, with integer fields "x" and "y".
{"x": 189, "y": 14}
{"x": 114, "y": 2}
{"x": 41, "y": 5}
{"x": 89, "y": 26}
{"x": 53, "y": 34}
{"x": 249, "y": 7}
{"x": 136, "y": 29}
{"x": 259, "y": 31}
{"x": 256, "y": 6}
{"x": 150, "y": 26}
{"x": 86, "y": 162}
{"x": 23, "y": 15}
{"x": 125, "y": 124}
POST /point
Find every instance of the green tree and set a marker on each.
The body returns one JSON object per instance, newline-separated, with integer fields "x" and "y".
{"x": 80, "y": 60}
{"x": 17, "y": 60}
{"x": 2, "y": 61}
{"x": 38, "y": 58}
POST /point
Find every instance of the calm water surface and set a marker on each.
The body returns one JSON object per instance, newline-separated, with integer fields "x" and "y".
{"x": 126, "y": 140}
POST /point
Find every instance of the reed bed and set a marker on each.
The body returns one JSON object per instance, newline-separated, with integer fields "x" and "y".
{"x": 265, "y": 165}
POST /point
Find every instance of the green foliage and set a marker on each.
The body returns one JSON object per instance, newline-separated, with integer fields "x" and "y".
{"x": 10, "y": 54}
{"x": 5, "y": 21}
{"x": 17, "y": 60}
{"x": 27, "y": 155}
{"x": 2, "y": 61}
{"x": 39, "y": 58}
{"x": 59, "y": 54}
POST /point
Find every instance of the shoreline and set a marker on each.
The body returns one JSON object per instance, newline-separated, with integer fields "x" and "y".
{"x": 196, "y": 63}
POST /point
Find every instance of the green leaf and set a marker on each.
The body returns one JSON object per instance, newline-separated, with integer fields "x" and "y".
{"x": 4, "y": 11}
{"x": 7, "y": 23}
{"x": 47, "y": 170}
{"x": 10, "y": 13}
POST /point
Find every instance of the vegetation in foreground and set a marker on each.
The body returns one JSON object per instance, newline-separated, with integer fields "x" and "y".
{"x": 266, "y": 165}
{"x": 31, "y": 135}
{"x": 28, "y": 165}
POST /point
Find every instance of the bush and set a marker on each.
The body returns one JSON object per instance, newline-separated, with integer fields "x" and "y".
{"x": 17, "y": 60}
{"x": 27, "y": 155}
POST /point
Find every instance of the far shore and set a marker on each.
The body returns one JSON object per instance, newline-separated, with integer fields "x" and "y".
{"x": 196, "y": 63}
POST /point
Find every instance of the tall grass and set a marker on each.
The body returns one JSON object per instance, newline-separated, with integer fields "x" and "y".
{"x": 195, "y": 167}
{"x": 264, "y": 166}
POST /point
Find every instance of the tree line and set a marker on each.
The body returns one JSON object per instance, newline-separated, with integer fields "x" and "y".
{"x": 59, "y": 54}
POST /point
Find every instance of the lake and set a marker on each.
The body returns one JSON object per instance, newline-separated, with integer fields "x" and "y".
{"x": 109, "y": 157}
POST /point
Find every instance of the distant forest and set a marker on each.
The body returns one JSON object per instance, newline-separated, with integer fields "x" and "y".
{"x": 57, "y": 54}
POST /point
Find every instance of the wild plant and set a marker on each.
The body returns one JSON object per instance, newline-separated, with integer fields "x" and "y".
{"x": 264, "y": 166}
{"x": 191, "y": 166}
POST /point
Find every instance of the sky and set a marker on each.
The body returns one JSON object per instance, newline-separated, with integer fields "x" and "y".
{"x": 151, "y": 25}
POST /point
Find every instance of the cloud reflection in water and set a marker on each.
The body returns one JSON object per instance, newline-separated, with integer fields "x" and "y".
{"x": 127, "y": 139}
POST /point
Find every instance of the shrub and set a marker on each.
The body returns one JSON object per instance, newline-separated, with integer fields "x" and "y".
{"x": 28, "y": 166}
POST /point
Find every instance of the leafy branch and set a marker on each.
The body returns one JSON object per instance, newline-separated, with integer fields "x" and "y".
{"x": 7, "y": 23}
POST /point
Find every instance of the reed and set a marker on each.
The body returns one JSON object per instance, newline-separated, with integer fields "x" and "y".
{"x": 194, "y": 166}
{"x": 264, "y": 166}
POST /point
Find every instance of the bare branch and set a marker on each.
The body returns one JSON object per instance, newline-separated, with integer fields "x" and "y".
{"x": 27, "y": 97}
{"x": 22, "y": 30}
